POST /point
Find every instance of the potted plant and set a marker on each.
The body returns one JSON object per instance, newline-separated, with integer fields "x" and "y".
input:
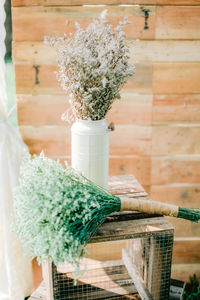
{"x": 93, "y": 66}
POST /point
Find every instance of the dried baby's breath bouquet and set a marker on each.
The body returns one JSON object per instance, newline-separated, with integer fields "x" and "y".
{"x": 56, "y": 210}
{"x": 93, "y": 65}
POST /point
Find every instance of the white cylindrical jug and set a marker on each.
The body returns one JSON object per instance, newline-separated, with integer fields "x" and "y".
{"x": 90, "y": 150}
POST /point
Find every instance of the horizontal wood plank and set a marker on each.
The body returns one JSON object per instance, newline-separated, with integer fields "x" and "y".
{"x": 132, "y": 109}
{"x": 185, "y": 195}
{"x": 191, "y": 229}
{"x": 100, "y": 2}
{"x": 56, "y": 140}
{"x": 52, "y": 21}
{"x": 34, "y": 52}
{"x": 53, "y": 140}
{"x": 165, "y": 50}
{"x": 167, "y": 78}
{"x": 43, "y": 81}
{"x": 105, "y": 251}
{"x": 28, "y": 81}
{"x": 176, "y": 78}
{"x": 131, "y": 140}
{"x": 186, "y": 250}
{"x": 176, "y": 139}
{"x": 177, "y": 22}
{"x": 175, "y": 169}
{"x": 47, "y": 109}
{"x": 131, "y": 229}
{"x": 41, "y": 110}
{"x": 176, "y": 108}
{"x": 184, "y": 271}
{"x": 140, "y": 166}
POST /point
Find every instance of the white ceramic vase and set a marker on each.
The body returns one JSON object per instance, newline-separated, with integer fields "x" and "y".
{"x": 90, "y": 150}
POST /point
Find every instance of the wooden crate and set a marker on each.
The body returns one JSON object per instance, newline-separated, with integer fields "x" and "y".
{"x": 131, "y": 252}
{"x": 176, "y": 291}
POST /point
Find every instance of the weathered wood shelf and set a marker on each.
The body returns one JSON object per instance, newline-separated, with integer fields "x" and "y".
{"x": 130, "y": 253}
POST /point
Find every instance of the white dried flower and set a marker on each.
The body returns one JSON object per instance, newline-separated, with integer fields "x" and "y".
{"x": 93, "y": 65}
{"x": 104, "y": 15}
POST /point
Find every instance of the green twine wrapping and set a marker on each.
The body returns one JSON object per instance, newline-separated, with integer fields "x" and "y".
{"x": 189, "y": 214}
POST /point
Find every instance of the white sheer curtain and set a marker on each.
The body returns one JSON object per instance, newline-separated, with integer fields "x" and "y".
{"x": 15, "y": 269}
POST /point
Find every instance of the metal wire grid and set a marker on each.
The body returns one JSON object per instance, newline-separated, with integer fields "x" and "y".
{"x": 150, "y": 259}
{"x": 120, "y": 269}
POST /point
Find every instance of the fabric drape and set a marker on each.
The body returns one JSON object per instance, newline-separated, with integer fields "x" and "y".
{"x": 15, "y": 269}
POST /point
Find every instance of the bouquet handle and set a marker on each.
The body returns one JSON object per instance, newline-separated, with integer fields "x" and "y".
{"x": 149, "y": 206}
{"x": 153, "y": 207}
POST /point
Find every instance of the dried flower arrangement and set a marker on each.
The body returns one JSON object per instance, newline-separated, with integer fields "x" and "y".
{"x": 93, "y": 65}
{"x": 54, "y": 210}
{"x": 57, "y": 210}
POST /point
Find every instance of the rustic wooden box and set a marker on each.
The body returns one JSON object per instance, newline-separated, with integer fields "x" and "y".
{"x": 131, "y": 252}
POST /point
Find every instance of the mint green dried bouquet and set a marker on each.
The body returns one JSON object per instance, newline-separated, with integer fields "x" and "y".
{"x": 57, "y": 210}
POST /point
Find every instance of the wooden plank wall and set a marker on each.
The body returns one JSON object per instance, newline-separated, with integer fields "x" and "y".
{"x": 157, "y": 134}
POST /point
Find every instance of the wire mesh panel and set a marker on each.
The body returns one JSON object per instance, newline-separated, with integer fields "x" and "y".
{"x": 130, "y": 254}
{"x": 103, "y": 277}
{"x": 148, "y": 261}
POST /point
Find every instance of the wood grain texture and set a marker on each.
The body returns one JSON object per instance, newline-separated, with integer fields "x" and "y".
{"x": 165, "y": 50}
{"x": 183, "y": 194}
{"x": 106, "y": 2}
{"x": 23, "y": 24}
{"x": 175, "y": 169}
{"x": 56, "y": 140}
{"x": 176, "y": 108}
{"x": 186, "y": 250}
{"x": 176, "y": 139}
{"x": 101, "y": 251}
{"x": 35, "y": 52}
{"x": 37, "y": 273}
{"x": 53, "y": 140}
{"x": 184, "y": 271}
{"x": 185, "y": 229}
{"x": 136, "y": 141}
{"x": 47, "y": 109}
{"x": 177, "y": 22}
{"x": 156, "y": 78}
{"x": 47, "y": 271}
{"x": 131, "y": 229}
{"x": 41, "y": 110}
{"x": 45, "y": 82}
{"x": 106, "y": 283}
{"x": 140, "y": 166}
{"x": 176, "y": 78}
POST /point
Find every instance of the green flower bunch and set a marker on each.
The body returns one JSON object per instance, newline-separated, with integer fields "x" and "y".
{"x": 57, "y": 210}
